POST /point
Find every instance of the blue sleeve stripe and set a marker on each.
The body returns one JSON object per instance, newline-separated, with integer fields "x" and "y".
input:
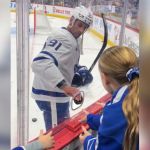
{"x": 48, "y": 93}
{"x": 39, "y": 58}
{"x": 91, "y": 144}
{"x": 49, "y": 54}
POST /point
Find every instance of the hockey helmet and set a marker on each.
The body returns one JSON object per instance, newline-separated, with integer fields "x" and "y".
{"x": 83, "y": 14}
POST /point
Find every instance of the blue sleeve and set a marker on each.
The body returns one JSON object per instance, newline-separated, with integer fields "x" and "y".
{"x": 93, "y": 121}
{"x": 18, "y": 148}
{"x": 89, "y": 143}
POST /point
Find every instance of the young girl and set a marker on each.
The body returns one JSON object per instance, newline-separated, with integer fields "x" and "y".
{"x": 117, "y": 126}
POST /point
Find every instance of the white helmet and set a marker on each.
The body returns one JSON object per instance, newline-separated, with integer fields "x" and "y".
{"x": 83, "y": 14}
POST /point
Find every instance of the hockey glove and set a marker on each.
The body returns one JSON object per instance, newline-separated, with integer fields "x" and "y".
{"x": 82, "y": 77}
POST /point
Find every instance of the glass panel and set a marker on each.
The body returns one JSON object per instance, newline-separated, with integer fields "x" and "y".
{"x": 45, "y": 17}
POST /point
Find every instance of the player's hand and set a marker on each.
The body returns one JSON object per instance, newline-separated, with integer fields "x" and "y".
{"x": 84, "y": 134}
{"x": 73, "y": 92}
{"x": 46, "y": 140}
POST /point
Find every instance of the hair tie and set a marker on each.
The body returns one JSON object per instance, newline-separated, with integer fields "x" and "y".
{"x": 132, "y": 73}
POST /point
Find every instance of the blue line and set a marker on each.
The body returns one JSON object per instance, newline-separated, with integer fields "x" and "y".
{"x": 39, "y": 58}
{"x": 49, "y": 54}
{"x": 48, "y": 93}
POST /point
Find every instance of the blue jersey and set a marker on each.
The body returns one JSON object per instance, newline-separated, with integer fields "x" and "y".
{"x": 111, "y": 124}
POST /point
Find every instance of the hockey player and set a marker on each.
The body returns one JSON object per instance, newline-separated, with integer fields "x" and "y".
{"x": 54, "y": 68}
{"x": 118, "y": 124}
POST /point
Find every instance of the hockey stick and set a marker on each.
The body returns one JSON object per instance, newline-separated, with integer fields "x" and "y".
{"x": 104, "y": 44}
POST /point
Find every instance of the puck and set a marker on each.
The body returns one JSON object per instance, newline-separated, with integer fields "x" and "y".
{"x": 34, "y": 119}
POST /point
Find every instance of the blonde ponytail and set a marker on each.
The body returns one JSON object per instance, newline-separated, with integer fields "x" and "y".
{"x": 131, "y": 111}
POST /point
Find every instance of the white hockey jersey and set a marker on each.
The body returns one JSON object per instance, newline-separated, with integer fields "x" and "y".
{"x": 54, "y": 63}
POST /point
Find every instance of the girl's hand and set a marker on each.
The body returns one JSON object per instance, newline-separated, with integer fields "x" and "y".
{"x": 84, "y": 119}
{"x": 84, "y": 135}
{"x": 46, "y": 140}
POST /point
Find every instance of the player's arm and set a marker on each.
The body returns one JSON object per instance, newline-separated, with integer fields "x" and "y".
{"x": 47, "y": 69}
